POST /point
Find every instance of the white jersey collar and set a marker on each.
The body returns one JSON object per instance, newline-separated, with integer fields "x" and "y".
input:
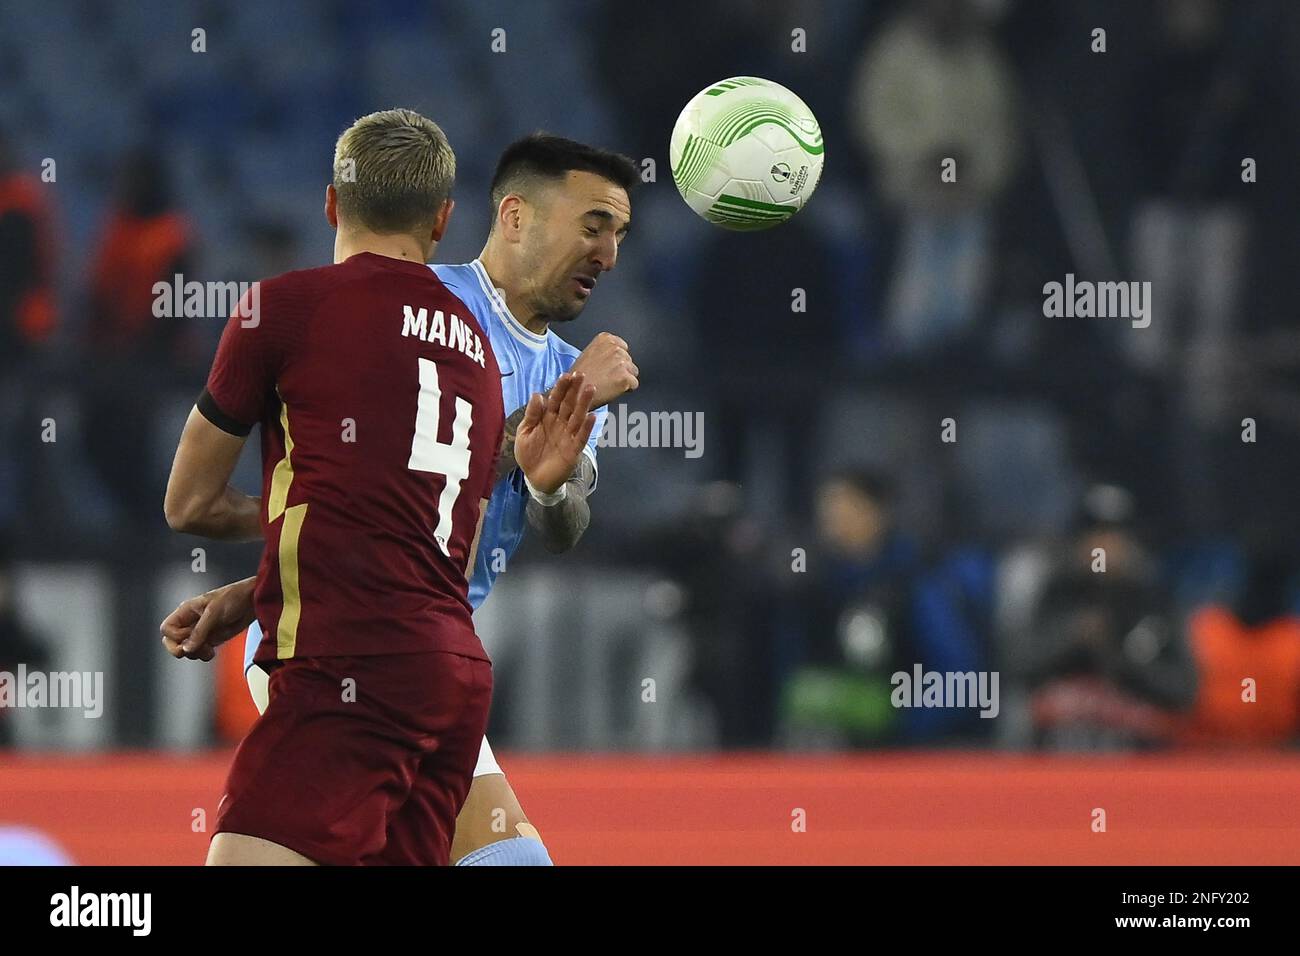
{"x": 498, "y": 300}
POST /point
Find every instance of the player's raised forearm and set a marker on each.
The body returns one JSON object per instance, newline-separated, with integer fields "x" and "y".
{"x": 233, "y": 516}
{"x": 562, "y": 524}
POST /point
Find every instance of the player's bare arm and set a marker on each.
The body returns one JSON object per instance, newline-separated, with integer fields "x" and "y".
{"x": 606, "y": 364}
{"x": 478, "y": 533}
{"x": 561, "y": 523}
{"x": 199, "y": 498}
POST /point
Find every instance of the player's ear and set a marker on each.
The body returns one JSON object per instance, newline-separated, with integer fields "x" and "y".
{"x": 331, "y": 206}
{"x": 510, "y": 216}
{"x": 440, "y": 223}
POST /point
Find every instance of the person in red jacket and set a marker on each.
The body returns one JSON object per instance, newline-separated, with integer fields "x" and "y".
{"x": 1249, "y": 661}
{"x": 27, "y": 315}
{"x": 131, "y": 354}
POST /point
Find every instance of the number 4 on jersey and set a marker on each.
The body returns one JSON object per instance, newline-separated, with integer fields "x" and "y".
{"x": 429, "y": 454}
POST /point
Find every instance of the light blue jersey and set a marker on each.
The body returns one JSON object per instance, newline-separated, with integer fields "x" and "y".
{"x": 529, "y": 363}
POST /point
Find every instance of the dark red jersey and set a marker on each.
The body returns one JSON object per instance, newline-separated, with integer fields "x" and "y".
{"x": 380, "y": 405}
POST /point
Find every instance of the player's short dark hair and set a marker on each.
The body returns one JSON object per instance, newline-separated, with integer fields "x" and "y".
{"x": 543, "y": 156}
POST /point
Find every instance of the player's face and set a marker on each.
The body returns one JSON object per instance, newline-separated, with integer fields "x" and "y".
{"x": 574, "y": 237}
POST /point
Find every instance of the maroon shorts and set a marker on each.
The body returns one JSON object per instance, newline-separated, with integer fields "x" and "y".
{"x": 330, "y": 769}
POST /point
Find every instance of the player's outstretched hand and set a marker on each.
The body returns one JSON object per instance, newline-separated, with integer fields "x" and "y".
{"x": 200, "y": 624}
{"x": 554, "y": 431}
{"x": 608, "y": 365}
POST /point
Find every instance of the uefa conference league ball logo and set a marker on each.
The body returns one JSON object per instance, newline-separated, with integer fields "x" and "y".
{"x": 746, "y": 153}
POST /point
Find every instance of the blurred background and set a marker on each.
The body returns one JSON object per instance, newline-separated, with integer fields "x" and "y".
{"x": 837, "y": 527}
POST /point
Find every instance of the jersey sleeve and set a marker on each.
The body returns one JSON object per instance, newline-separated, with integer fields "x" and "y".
{"x": 248, "y": 360}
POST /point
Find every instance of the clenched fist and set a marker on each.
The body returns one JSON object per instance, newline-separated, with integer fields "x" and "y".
{"x": 607, "y": 365}
{"x": 200, "y": 624}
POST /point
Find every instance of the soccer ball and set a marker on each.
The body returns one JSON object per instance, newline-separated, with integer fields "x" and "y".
{"x": 746, "y": 153}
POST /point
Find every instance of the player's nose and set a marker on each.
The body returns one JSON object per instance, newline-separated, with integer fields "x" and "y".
{"x": 606, "y": 253}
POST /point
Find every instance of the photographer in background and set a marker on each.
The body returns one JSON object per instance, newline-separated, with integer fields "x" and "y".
{"x": 1108, "y": 667}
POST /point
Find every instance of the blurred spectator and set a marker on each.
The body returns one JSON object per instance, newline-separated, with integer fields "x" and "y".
{"x": 146, "y": 240}
{"x": 27, "y": 314}
{"x": 1189, "y": 227}
{"x": 715, "y": 550}
{"x": 933, "y": 86}
{"x": 1107, "y": 667}
{"x": 1209, "y": 100}
{"x": 873, "y": 608}
{"x": 26, "y": 261}
{"x": 1257, "y": 638}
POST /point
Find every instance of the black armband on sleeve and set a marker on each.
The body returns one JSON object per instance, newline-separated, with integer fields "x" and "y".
{"x": 207, "y": 406}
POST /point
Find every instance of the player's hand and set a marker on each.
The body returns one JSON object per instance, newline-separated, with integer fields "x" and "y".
{"x": 608, "y": 366}
{"x": 200, "y": 624}
{"x": 554, "y": 431}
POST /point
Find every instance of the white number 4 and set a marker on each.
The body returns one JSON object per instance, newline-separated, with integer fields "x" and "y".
{"x": 429, "y": 454}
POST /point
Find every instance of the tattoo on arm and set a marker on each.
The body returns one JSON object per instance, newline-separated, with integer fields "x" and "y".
{"x": 506, "y": 462}
{"x": 561, "y": 525}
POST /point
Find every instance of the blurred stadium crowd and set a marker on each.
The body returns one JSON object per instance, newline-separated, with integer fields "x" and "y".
{"x": 828, "y": 536}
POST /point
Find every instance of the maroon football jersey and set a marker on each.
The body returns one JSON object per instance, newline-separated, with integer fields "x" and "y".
{"x": 380, "y": 404}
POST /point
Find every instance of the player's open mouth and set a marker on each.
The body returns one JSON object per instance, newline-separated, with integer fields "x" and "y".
{"x": 585, "y": 284}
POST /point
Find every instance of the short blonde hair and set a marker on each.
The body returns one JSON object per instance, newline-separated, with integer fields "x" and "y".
{"x": 393, "y": 170}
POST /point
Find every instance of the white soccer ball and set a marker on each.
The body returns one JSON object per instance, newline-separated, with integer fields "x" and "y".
{"x": 746, "y": 153}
